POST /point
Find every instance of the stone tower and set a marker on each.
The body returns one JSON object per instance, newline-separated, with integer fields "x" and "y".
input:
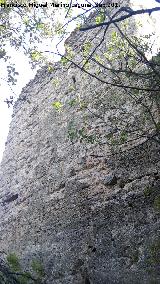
{"x": 88, "y": 214}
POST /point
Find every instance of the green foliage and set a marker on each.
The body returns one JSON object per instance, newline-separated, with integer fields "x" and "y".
{"x": 50, "y": 68}
{"x": 100, "y": 18}
{"x": 82, "y": 104}
{"x": 26, "y": 20}
{"x": 157, "y": 203}
{"x": 156, "y": 59}
{"x": 87, "y": 48}
{"x": 72, "y": 131}
{"x": 158, "y": 125}
{"x": 113, "y": 142}
{"x": 136, "y": 92}
{"x": 135, "y": 256}
{"x": 25, "y": 278}
{"x": 123, "y": 136}
{"x": 2, "y": 52}
{"x": 57, "y": 105}
{"x": 147, "y": 191}
{"x": 36, "y": 55}
{"x": 69, "y": 13}
{"x": 117, "y": 140}
{"x": 59, "y": 29}
{"x": 55, "y": 82}
{"x": 64, "y": 60}
{"x": 14, "y": 262}
{"x": 24, "y": 29}
{"x": 98, "y": 71}
{"x": 80, "y": 134}
{"x": 2, "y": 1}
{"x": 120, "y": 49}
{"x": 38, "y": 268}
{"x": 155, "y": 252}
{"x": 83, "y": 136}
{"x": 71, "y": 88}
{"x": 108, "y": 54}
{"x": 125, "y": 25}
{"x": 44, "y": 28}
{"x": 70, "y": 54}
{"x": 87, "y": 65}
{"x": 3, "y": 279}
{"x": 72, "y": 102}
{"x": 40, "y": 26}
{"x": 98, "y": 59}
{"x": 12, "y": 272}
{"x": 114, "y": 36}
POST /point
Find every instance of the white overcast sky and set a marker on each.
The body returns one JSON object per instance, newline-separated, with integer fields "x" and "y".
{"x": 26, "y": 74}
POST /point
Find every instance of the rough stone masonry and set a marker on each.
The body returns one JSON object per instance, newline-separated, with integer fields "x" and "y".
{"x": 90, "y": 216}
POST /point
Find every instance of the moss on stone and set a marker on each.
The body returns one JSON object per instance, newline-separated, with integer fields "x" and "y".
{"x": 135, "y": 257}
{"x": 157, "y": 203}
{"x": 155, "y": 252}
{"x": 147, "y": 191}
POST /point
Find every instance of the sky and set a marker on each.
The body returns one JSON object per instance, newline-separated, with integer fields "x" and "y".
{"x": 24, "y": 77}
{"x": 6, "y": 92}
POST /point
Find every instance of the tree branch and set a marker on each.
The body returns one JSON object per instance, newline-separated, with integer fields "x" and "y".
{"x": 101, "y": 80}
{"x": 122, "y": 18}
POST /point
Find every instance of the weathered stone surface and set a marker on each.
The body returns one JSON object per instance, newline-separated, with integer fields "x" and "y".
{"x": 84, "y": 231}
{"x": 110, "y": 179}
{"x": 10, "y": 198}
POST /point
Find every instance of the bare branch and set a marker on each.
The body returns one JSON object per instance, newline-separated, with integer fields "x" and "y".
{"x": 122, "y": 18}
{"x": 101, "y": 80}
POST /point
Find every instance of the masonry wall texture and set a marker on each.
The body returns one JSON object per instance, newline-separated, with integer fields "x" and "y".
{"x": 88, "y": 215}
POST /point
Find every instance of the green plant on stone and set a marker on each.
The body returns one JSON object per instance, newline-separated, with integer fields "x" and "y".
{"x": 50, "y": 69}
{"x": 101, "y": 17}
{"x": 72, "y": 102}
{"x": 38, "y": 269}
{"x": 57, "y": 106}
{"x": 11, "y": 271}
{"x": 72, "y": 131}
{"x": 98, "y": 59}
{"x": 13, "y": 262}
{"x": 59, "y": 29}
{"x": 26, "y": 278}
{"x": 156, "y": 203}
{"x": 86, "y": 48}
{"x": 80, "y": 134}
{"x": 70, "y": 54}
{"x": 155, "y": 252}
{"x": 147, "y": 191}
{"x": 55, "y": 82}
{"x": 64, "y": 60}
{"x": 71, "y": 88}
{"x": 135, "y": 257}
{"x": 123, "y": 136}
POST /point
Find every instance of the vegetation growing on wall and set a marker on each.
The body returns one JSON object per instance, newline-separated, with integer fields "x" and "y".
{"x": 11, "y": 271}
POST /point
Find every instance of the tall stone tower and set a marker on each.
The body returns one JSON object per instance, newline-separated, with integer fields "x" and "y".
{"x": 90, "y": 215}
